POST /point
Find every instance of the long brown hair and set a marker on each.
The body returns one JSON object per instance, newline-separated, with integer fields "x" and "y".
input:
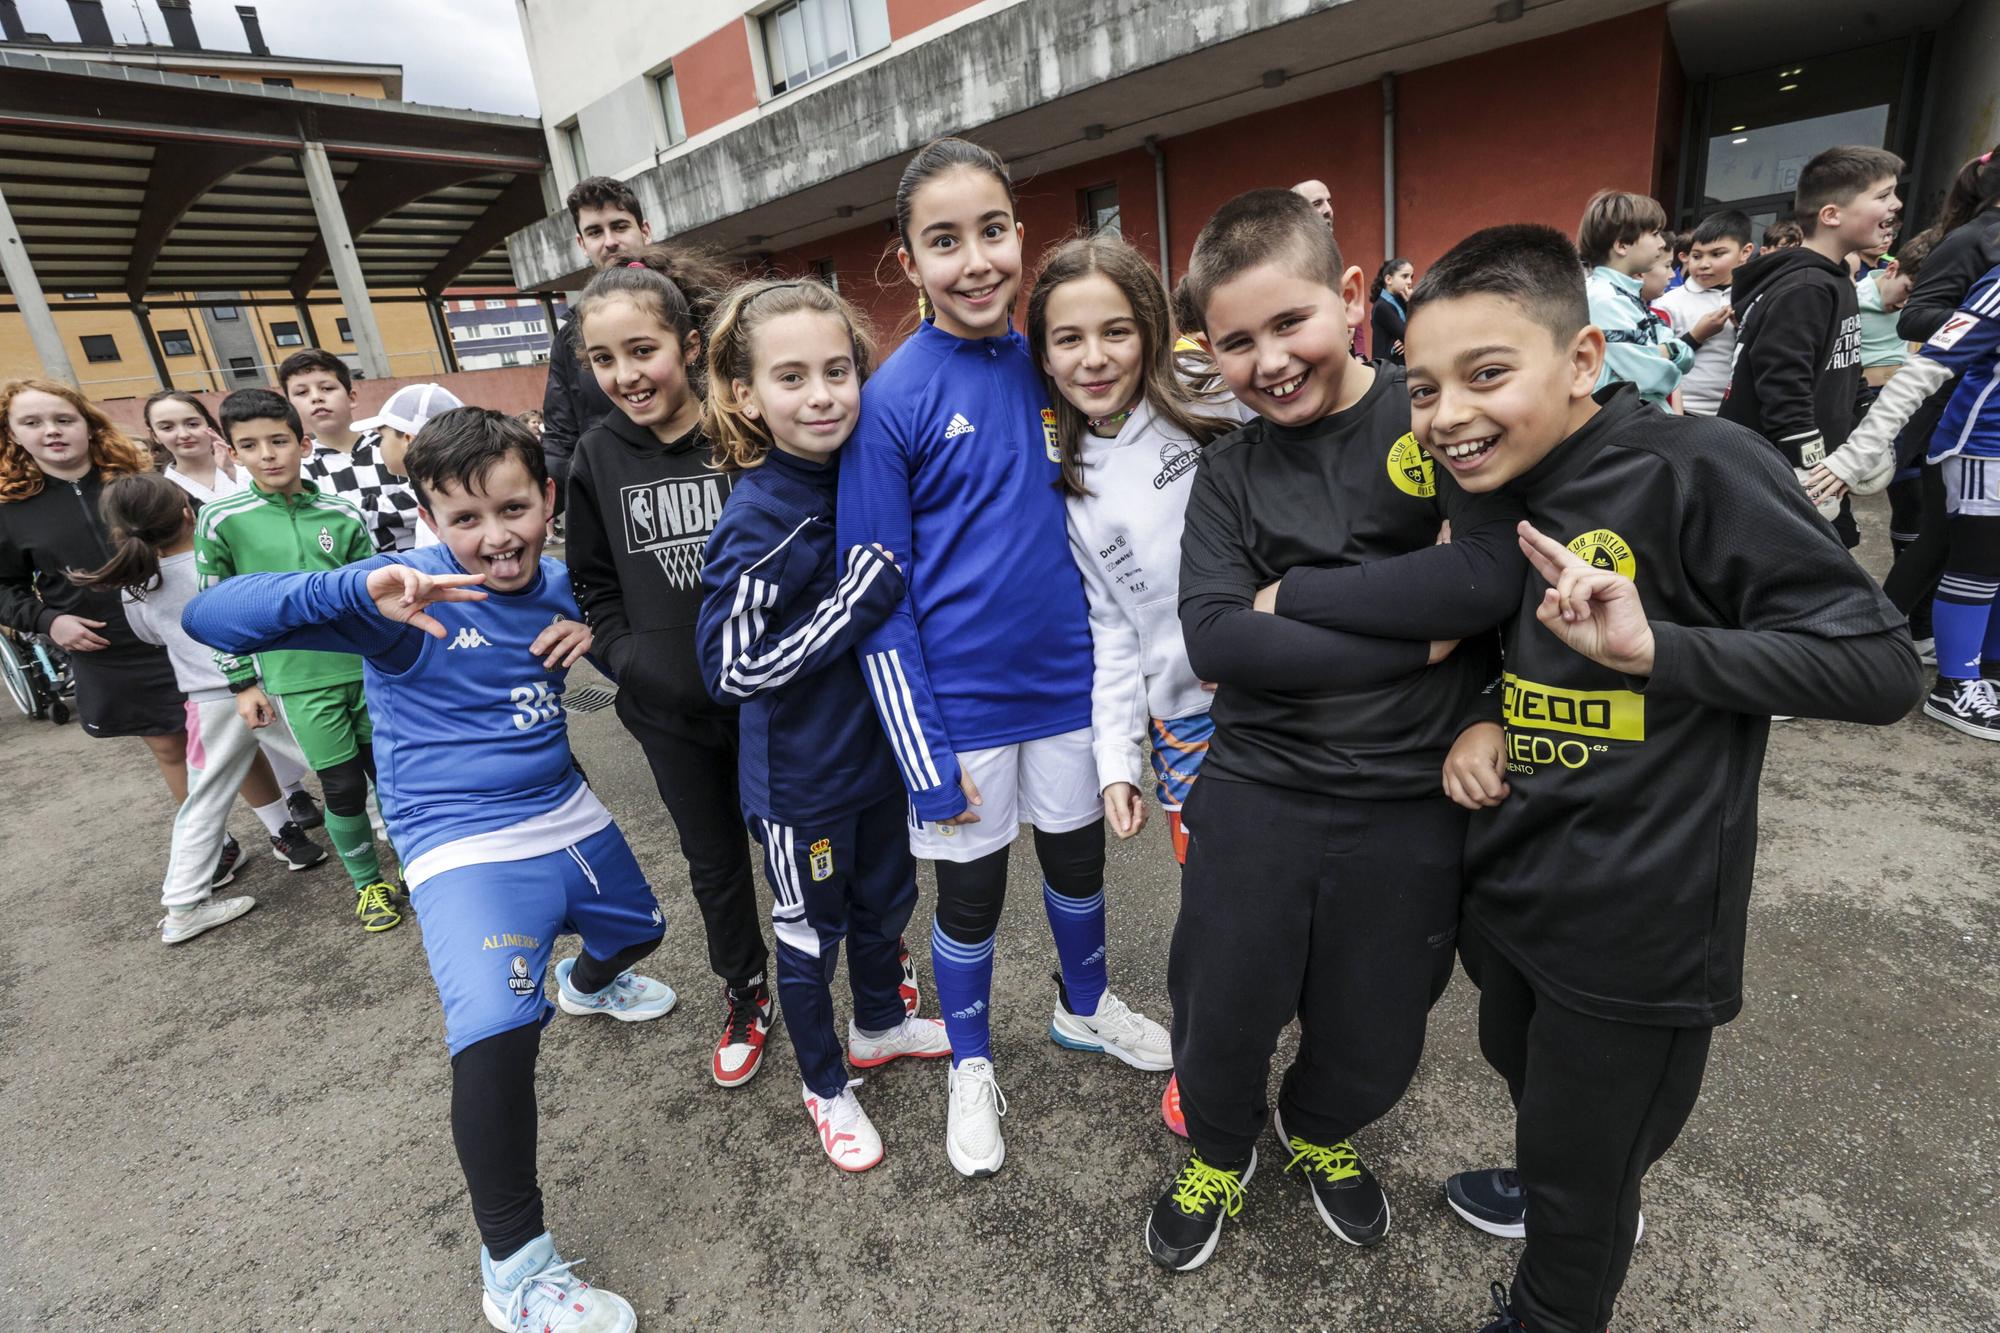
{"x": 1161, "y": 385}
{"x": 111, "y": 453}
{"x": 1973, "y": 190}
{"x": 740, "y": 441}
{"x": 143, "y": 512}
{"x": 678, "y": 285}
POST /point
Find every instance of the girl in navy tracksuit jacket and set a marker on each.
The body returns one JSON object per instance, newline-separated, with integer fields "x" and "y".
{"x": 782, "y": 608}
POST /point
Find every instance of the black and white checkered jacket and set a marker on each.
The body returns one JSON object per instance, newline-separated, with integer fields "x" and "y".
{"x": 387, "y": 501}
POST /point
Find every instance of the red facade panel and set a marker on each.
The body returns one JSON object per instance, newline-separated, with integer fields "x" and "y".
{"x": 715, "y": 78}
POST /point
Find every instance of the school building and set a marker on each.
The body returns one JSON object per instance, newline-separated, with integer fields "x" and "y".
{"x": 776, "y": 130}
{"x": 176, "y": 213}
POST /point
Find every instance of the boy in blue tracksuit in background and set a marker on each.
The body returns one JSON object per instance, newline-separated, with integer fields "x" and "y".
{"x": 503, "y": 843}
{"x": 782, "y": 610}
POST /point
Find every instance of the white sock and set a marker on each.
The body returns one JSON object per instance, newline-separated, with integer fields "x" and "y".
{"x": 296, "y": 787}
{"x": 273, "y": 815}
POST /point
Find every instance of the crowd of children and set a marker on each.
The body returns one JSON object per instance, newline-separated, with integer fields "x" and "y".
{"x": 1446, "y": 636}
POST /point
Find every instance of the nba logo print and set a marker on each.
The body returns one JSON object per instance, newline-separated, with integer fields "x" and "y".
{"x": 326, "y": 541}
{"x": 822, "y": 859}
{"x": 639, "y": 503}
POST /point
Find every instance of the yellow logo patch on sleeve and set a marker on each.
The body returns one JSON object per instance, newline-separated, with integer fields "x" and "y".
{"x": 1411, "y": 468}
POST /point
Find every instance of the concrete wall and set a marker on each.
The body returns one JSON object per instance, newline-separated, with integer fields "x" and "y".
{"x": 510, "y": 389}
{"x": 578, "y": 48}
{"x": 1965, "y": 115}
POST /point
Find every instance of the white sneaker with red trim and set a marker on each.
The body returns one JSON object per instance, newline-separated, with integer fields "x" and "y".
{"x": 845, "y": 1131}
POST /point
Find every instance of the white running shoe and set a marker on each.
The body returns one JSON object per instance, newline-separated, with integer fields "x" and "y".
{"x": 972, "y": 1129}
{"x": 630, "y": 998}
{"x": 921, "y": 1038}
{"x": 533, "y": 1291}
{"x": 177, "y": 927}
{"x": 845, "y": 1130}
{"x": 1118, "y": 1031}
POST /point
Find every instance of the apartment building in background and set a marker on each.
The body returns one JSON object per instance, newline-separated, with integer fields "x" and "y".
{"x": 775, "y": 129}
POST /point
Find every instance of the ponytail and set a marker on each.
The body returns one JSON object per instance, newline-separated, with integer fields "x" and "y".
{"x": 142, "y": 512}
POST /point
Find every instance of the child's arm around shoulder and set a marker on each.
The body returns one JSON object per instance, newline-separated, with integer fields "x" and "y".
{"x": 1805, "y": 632}
{"x": 1231, "y": 643}
{"x": 752, "y": 636}
{"x": 593, "y": 570}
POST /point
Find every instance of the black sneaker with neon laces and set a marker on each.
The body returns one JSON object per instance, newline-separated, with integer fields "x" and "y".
{"x": 1187, "y": 1220}
{"x": 291, "y": 845}
{"x": 1350, "y": 1200}
{"x": 375, "y": 908}
{"x": 304, "y": 811}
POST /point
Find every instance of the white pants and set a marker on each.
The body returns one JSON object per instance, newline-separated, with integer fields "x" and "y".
{"x": 1050, "y": 782}
{"x": 229, "y": 746}
{"x": 286, "y": 761}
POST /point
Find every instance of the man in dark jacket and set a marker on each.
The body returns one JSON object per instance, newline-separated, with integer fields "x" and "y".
{"x": 1797, "y": 378}
{"x": 609, "y": 223}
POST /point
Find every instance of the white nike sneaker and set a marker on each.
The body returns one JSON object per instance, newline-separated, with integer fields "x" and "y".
{"x": 921, "y": 1038}
{"x": 845, "y": 1130}
{"x": 1118, "y": 1031}
{"x": 533, "y": 1291}
{"x": 176, "y": 927}
{"x": 972, "y": 1129}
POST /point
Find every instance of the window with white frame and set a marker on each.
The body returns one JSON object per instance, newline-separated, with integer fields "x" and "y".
{"x": 804, "y": 39}
{"x": 496, "y": 305}
{"x": 667, "y": 89}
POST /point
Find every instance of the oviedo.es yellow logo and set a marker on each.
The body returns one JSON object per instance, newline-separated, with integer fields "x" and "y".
{"x": 1410, "y": 468}
{"x": 1598, "y": 717}
{"x": 1049, "y": 435}
{"x": 1601, "y": 548}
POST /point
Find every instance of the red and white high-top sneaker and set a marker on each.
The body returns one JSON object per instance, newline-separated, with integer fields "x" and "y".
{"x": 913, "y": 995}
{"x": 747, "y": 1026}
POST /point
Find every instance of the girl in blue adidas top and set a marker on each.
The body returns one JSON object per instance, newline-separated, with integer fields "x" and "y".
{"x": 981, "y": 674}
{"x": 502, "y": 841}
{"x": 782, "y": 609}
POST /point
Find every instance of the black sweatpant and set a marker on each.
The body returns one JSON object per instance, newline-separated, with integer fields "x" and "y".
{"x": 1914, "y": 576}
{"x": 1596, "y": 1103}
{"x": 1341, "y": 912}
{"x": 695, "y": 770}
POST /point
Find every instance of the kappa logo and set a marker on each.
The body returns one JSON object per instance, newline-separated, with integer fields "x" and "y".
{"x": 468, "y": 637}
{"x": 822, "y": 859}
{"x": 518, "y": 979}
{"x": 1601, "y": 548}
{"x": 1411, "y": 469}
{"x": 958, "y": 426}
{"x": 1049, "y": 439}
{"x": 326, "y": 540}
{"x": 658, "y": 920}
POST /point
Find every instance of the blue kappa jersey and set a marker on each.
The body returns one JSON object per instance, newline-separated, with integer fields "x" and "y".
{"x": 954, "y": 470}
{"x": 470, "y": 733}
{"x": 1968, "y": 343}
{"x": 781, "y": 612}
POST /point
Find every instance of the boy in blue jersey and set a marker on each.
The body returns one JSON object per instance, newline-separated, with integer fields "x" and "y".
{"x": 1966, "y": 449}
{"x": 503, "y": 843}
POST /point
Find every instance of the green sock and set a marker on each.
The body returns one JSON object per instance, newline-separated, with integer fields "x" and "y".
{"x": 353, "y": 841}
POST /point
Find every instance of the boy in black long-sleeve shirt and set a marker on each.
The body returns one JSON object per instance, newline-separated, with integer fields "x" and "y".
{"x": 1797, "y": 379}
{"x": 1323, "y": 870}
{"x": 1688, "y": 591}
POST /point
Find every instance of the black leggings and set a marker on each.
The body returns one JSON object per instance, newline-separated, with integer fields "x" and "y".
{"x": 1914, "y": 576}
{"x": 346, "y": 784}
{"x": 971, "y": 893}
{"x": 1596, "y": 1103}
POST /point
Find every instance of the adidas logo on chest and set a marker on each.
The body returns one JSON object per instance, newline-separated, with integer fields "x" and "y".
{"x": 958, "y": 426}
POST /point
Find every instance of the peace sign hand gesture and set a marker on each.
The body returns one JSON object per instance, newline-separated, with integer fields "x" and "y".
{"x": 402, "y": 593}
{"x": 1595, "y": 611}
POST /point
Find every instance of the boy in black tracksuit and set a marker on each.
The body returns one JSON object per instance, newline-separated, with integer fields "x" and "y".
{"x": 1322, "y": 875}
{"x": 1687, "y": 592}
{"x": 640, "y": 513}
{"x": 1797, "y": 377}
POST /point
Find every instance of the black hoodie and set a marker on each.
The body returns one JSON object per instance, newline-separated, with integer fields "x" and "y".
{"x": 55, "y": 530}
{"x": 640, "y": 513}
{"x": 1797, "y": 376}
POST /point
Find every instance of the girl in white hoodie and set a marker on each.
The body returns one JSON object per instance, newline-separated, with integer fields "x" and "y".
{"x": 1130, "y": 433}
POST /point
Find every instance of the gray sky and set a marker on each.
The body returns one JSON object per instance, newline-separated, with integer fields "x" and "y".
{"x": 457, "y": 53}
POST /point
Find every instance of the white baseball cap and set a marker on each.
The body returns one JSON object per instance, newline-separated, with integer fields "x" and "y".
{"x": 410, "y": 407}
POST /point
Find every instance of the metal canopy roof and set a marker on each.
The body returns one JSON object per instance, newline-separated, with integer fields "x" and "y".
{"x": 132, "y": 179}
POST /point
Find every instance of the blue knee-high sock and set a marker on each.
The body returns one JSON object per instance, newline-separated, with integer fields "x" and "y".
{"x": 1990, "y": 650}
{"x": 1960, "y": 618}
{"x": 1078, "y": 925}
{"x": 964, "y": 976}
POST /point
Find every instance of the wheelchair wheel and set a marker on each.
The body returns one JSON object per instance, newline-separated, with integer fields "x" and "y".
{"x": 20, "y": 685}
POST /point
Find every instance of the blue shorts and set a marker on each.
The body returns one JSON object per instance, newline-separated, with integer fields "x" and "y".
{"x": 488, "y": 928}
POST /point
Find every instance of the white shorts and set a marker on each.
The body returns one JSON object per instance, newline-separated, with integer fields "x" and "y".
{"x": 1050, "y": 783}
{"x": 1971, "y": 485}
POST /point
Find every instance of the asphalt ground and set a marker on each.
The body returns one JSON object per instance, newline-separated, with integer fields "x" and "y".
{"x": 250, "y": 1131}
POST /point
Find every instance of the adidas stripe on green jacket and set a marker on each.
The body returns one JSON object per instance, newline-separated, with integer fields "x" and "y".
{"x": 259, "y": 532}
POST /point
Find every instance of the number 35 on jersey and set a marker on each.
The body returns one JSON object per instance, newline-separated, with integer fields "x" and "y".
{"x": 534, "y": 705}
